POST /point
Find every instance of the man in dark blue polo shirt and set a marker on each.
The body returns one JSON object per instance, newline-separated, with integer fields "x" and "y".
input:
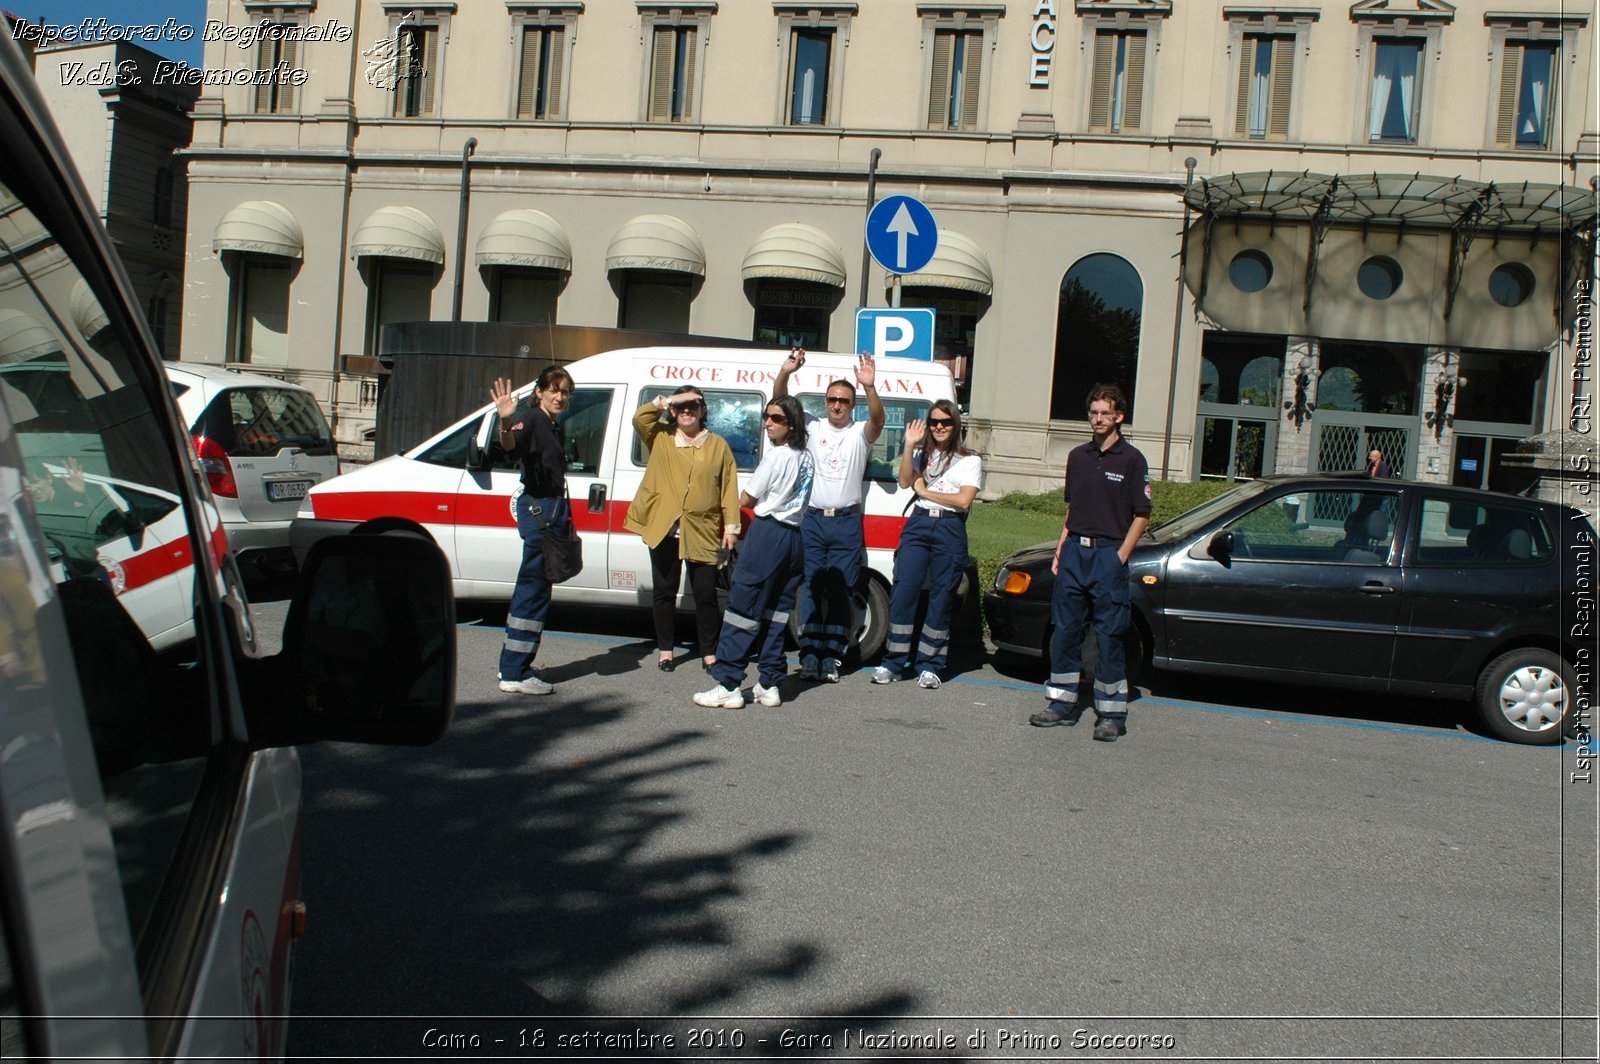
{"x": 1108, "y": 507}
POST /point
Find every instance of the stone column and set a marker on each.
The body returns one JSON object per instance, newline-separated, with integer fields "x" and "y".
{"x": 1436, "y": 435}
{"x": 1302, "y": 368}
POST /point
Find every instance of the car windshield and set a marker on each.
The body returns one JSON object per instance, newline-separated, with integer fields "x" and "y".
{"x": 1190, "y": 520}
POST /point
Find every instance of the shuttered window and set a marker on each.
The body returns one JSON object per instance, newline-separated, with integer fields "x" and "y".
{"x": 1116, "y": 91}
{"x": 811, "y": 53}
{"x": 418, "y": 68}
{"x": 1527, "y": 93}
{"x": 539, "y": 79}
{"x": 672, "y": 60}
{"x": 275, "y": 57}
{"x": 1266, "y": 86}
{"x": 956, "y": 79}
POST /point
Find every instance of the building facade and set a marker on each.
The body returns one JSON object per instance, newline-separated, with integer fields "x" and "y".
{"x": 702, "y": 166}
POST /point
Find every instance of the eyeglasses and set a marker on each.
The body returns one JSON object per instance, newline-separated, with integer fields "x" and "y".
{"x": 777, "y": 419}
{"x": 686, "y": 408}
{"x": 941, "y": 422}
{"x": 841, "y": 398}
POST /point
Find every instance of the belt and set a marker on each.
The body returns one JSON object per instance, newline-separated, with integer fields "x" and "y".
{"x": 774, "y": 520}
{"x": 1095, "y": 541}
{"x": 836, "y": 511}
{"x": 936, "y": 514}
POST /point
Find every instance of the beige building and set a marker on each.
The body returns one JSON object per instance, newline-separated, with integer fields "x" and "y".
{"x": 703, "y": 166}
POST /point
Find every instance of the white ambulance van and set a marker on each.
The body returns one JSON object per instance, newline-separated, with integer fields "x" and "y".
{"x": 149, "y": 786}
{"x": 458, "y": 486}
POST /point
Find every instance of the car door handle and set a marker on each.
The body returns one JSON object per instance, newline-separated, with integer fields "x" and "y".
{"x": 597, "y": 498}
{"x": 1373, "y": 587}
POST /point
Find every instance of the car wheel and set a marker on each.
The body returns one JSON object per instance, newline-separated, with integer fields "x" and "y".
{"x": 1524, "y": 696}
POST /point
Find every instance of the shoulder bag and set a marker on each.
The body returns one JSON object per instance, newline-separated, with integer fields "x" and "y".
{"x": 563, "y": 549}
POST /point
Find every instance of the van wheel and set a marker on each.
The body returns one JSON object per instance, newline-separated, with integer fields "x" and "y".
{"x": 872, "y": 627}
{"x": 1524, "y": 696}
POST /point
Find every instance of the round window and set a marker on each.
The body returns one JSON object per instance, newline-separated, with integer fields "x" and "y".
{"x": 1250, "y": 271}
{"x": 1510, "y": 285}
{"x": 1379, "y": 277}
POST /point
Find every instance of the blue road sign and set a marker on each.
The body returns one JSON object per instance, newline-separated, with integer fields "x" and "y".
{"x": 896, "y": 332}
{"x": 901, "y": 234}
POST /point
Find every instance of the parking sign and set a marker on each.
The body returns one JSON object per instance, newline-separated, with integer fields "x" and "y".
{"x": 898, "y": 332}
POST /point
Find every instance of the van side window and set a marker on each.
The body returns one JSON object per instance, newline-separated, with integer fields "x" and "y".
{"x": 583, "y": 423}
{"x": 735, "y": 416}
{"x": 451, "y": 451}
{"x": 884, "y": 461}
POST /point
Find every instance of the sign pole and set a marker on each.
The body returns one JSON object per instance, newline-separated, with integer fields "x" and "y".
{"x": 894, "y": 290}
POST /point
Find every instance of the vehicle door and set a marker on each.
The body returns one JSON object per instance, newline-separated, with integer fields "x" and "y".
{"x": 147, "y": 855}
{"x": 1478, "y": 569}
{"x": 1301, "y": 582}
{"x": 488, "y": 546}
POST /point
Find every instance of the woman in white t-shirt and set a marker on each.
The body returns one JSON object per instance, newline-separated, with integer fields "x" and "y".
{"x": 771, "y": 563}
{"x": 946, "y": 478}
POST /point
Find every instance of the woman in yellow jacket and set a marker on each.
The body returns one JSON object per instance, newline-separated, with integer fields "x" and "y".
{"x": 686, "y": 508}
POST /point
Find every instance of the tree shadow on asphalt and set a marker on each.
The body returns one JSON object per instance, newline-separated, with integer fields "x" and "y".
{"x": 487, "y": 878}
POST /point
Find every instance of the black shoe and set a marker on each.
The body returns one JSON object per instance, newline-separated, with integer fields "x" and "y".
{"x": 1051, "y": 716}
{"x": 666, "y": 664}
{"x": 1109, "y": 731}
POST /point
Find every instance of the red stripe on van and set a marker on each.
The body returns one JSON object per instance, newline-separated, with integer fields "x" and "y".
{"x": 430, "y": 507}
{"x": 155, "y": 564}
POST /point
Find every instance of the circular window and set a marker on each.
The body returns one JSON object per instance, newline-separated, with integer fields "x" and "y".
{"x": 1511, "y": 285}
{"x": 1379, "y": 277}
{"x": 1250, "y": 271}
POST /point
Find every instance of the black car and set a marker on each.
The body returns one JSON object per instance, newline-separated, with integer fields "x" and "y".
{"x": 1377, "y": 585}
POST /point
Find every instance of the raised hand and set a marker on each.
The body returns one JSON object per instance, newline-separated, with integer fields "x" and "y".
{"x": 796, "y": 359}
{"x": 916, "y": 428}
{"x": 505, "y": 404}
{"x": 866, "y": 371}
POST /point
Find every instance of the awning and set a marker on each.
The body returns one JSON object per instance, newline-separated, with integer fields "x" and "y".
{"x": 657, "y": 242}
{"x": 259, "y": 226}
{"x": 87, "y": 314}
{"x": 398, "y": 233}
{"x": 525, "y": 237}
{"x": 957, "y": 263}
{"x": 23, "y": 337}
{"x": 795, "y": 251}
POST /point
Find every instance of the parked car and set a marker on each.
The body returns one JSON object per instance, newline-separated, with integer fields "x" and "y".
{"x": 149, "y": 786}
{"x": 1378, "y": 585}
{"x": 263, "y": 443}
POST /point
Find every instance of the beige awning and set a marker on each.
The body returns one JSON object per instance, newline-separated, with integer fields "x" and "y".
{"x": 796, "y": 251}
{"x": 657, "y": 242}
{"x": 87, "y": 313}
{"x": 261, "y": 227}
{"x": 525, "y": 237}
{"x": 957, "y": 263}
{"x": 398, "y": 233}
{"x": 23, "y": 337}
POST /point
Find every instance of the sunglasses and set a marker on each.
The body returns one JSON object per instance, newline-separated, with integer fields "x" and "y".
{"x": 686, "y": 408}
{"x": 779, "y": 419}
{"x": 941, "y": 422}
{"x": 841, "y": 398}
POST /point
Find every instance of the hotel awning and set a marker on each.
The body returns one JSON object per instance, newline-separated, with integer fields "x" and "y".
{"x": 795, "y": 251}
{"x": 957, "y": 263}
{"x": 87, "y": 313}
{"x": 657, "y": 242}
{"x": 23, "y": 337}
{"x": 260, "y": 227}
{"x": 525, "y": 237}
{"x": 398, "y": 233}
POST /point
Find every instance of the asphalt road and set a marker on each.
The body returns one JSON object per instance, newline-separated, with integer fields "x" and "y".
{"x": 1250, "y": 872}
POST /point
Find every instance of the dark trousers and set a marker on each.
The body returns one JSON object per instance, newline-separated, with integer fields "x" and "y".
{"x": 530, "y": 599}
{"x": 1091, "y": 588}
{"x": 665, "y": 571}
{"x": 935, "y": 549}
{"x": 835, "y": 547}
{"x": 765, "y": 584}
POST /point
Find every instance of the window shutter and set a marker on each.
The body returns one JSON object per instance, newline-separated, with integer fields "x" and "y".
{"x": 555, "y": 62}
{"x": 1133, "y": 92}
{"x": 939, "y": 82}
{"x": 428, "y": 43}
{"x": 1101, "y": 81}
{"x": 286, "y": 104}
{"x": 661, "y": 76}
{"x": 263, "y": 61}
{"x": 528, "y": 80}
{"x": 1505, "y": 118}
{"x": 689, "y": 38}
{"x": 1241, "y": 107}
{"x": 971, "y": 80}
{"x": 1282, "y": 87}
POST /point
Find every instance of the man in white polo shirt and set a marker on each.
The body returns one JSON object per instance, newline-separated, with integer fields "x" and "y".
{"x": 831, "y": 529}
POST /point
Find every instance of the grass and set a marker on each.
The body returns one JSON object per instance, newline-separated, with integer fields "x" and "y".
{"x": 1020, "y": 520}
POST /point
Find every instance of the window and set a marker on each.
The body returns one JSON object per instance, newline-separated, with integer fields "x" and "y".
{"x": 808, "y": 77}
{"x": 1116, "y": 92}
{"x": 276, "y": 55}
{"x": 541, "y": 74}
{"x": 1396, "y": 90}
{"x": 397, "y": 291}
{"x": 161, "y": 203}
{"x": 883, "y": 462}
{"x": 523, "y": 294}
{"x": 1354, "y": 527}
{"x": 1097, "y": 333}
{"x": 735, "y": 416}
{"x": 655, "y": 301}
{"x": 583, "y": 429}
{"x": 258, "y": 310}
{"x": 1266, "y": 84}
{"x": 793, "y": 313}
{"x": 675, "y": 44}
{"x": 953, "y": 88}
{"x": 416, "y": 65}
{"x": 1458, "y": 534}
{"x": 1527, "y": 94}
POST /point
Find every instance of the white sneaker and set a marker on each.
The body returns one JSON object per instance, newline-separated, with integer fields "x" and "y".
{"x": 830, "y": 670}
{"x": 808, "y": 668}
{"x": 883, "y": 674}
{"x": 719, "y": 697}
{"x": 928, "y": 680}
{"x": 531, "y": 686}
{"x": 766, "y": 696}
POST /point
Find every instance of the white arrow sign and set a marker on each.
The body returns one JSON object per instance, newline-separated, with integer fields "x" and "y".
{"x": 903, "y": 228}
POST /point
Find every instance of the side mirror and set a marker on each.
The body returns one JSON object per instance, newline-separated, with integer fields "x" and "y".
{"x": 369, "y": 646}
{"x": 1221, "y": 545}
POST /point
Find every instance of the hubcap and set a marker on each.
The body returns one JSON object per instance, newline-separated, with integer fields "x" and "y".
{"x": 1533, "y": 698}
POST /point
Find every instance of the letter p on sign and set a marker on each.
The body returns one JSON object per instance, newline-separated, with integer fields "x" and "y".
{"x": 899, "y": 332}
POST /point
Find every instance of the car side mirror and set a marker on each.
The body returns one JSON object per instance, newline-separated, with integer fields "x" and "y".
{"x": 1221, "y": 545}
{"x": 369, "y": 645}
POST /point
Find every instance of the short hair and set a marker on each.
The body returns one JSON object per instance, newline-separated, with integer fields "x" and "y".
{"x": 1109, "y": 393}
{"x": 847, "y": 384}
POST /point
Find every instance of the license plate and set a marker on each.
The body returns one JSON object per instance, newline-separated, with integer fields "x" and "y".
{"x": 278, "y": 490}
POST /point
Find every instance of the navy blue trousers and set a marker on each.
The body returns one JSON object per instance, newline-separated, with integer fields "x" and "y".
{"x": 530, "y": 600}
{"x": 935, "y": 549}
{"x": 1091, "y": 588}
{"x": 765, "y": 583}
{"x": 835, "y": 547}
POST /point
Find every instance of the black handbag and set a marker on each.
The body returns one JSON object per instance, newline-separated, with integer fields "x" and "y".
{"x": 563, "y": 549}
